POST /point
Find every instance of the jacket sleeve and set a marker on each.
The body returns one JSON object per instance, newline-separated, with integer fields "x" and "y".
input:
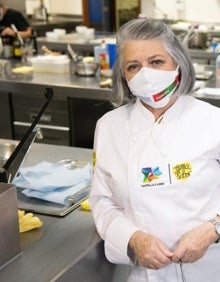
{"x": 112, "y": 224}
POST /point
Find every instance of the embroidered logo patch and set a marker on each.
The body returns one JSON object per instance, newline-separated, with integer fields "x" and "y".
{"x": 93, "y": 158}
{"x": 150, "y": 174}
{"x": 182, "y": 171}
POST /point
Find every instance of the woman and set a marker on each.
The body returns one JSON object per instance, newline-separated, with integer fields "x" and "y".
{"x": 156, "y": 187}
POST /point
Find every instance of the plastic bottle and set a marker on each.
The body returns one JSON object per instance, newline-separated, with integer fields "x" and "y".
{"x": 33, "y": 41}
{"x": 17, "y": 48}
{"x": 217, "y": 72}
{"x": 112, "y": 51}
{"x": 101, "y": 56}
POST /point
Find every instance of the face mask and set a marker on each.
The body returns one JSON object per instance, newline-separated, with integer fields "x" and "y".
{"x": 154, "y": 87}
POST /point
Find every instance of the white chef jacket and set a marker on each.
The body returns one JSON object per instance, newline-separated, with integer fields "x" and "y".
{"x": 159, "y": 177}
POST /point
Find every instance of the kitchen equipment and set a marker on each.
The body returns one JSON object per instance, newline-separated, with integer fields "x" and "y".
{"x": 71, "y": 52}
{"x": 189, "y": 34}
{"x": 198, "y": 40}
{"x": 12, "y": 156}
{"x": 7, "y": 46}
{"x": 14, "y": 28}
{"x": 195, "y": 38}
{"x": 86, "y": 68}
{"x": 10, "y": 169}
{"x": 54, "y": 123}
{"x": 51, "y": 64}
{"x": 9, "y": 227}
{"x": 6, "y": 149}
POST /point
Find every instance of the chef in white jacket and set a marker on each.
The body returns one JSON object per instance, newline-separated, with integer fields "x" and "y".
{"x": 155, "y": 194}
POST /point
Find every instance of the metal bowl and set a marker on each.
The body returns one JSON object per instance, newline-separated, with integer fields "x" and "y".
{"x": 86, "y": 68}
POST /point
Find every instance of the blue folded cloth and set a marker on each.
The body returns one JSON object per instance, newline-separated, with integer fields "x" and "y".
{"x": 52, "y": 182}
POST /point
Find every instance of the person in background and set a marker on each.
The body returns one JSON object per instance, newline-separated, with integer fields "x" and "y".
{"x": 155, "y": 193}
{"x": 8, "y": 17}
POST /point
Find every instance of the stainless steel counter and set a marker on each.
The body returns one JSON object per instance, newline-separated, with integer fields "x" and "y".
{"x": 64, "y": 85}
{"x": 79, "y": 44}
{"x": 212, "y": 99}
{"x": 63, "y": 249}
{"x": 81, "y": 100}
{"x": 22, "y": 95}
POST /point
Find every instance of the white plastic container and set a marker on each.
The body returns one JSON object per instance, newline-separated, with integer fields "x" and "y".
{"x": 51, "y": 64}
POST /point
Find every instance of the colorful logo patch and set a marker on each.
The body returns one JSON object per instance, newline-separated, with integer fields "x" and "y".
{"x": 150, "y": 174}
{"x": 93, "y": 158}
{"x": 182, "y": 171}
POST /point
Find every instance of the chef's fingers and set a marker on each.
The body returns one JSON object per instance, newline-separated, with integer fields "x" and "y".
{"x": 156, "y": 256}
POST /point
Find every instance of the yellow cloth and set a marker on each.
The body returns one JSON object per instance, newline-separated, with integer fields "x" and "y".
{"x": 27, "y": 221}
{"x": 85, "y": 205}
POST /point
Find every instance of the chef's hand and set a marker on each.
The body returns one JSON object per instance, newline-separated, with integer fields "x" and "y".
{"x": 149, "y": 251}
{"x": 194, "y": 243}
{"x": 8, "y": 32}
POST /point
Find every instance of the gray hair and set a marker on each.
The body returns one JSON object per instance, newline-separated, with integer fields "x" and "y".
{"x": 144, "y": 29}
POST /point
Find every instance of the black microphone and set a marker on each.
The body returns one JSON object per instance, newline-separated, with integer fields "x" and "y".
{"x": 10, "y": 168}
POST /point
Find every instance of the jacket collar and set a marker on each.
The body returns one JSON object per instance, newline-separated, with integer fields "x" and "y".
{"x": 141, "y": 118}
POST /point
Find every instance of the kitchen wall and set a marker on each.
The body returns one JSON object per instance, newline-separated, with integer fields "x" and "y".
{"x": 196, "y": 10}
{"x": 16, "y": 4}
{"x": 64, "y": 7}
{"x": 67, "y": 7}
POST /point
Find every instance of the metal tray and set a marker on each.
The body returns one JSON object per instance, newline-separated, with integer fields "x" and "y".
{"x": 44, "y": 207}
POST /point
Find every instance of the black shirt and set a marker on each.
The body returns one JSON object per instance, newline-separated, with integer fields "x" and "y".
{"x": 16, "y": 18}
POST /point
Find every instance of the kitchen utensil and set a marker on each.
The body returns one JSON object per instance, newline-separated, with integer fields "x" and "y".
{"x": 189, "y": 35}
{"x": 195, "y": 38}
{"x": 198, "y": 40}
{"x": 10, "y": 169}
{"x": 7, "y": 44}
{"x": 86, "y": 68}
{"x": 14, "y": 28}
{"x": 73, "y": 55}
{"x": 51, "y": 64}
